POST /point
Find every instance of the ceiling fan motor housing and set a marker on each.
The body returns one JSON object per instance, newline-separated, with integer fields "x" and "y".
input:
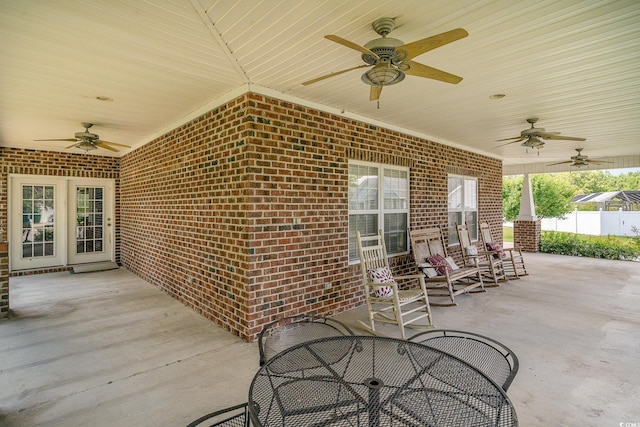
{"x": 86, "y": 136}
{"x": 531, "y": 132}
{"x": 385, "y": 48}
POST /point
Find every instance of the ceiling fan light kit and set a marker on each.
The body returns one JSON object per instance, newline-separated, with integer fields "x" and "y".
{"x": 383, "y": 75}
{"x": 85, "y": 145}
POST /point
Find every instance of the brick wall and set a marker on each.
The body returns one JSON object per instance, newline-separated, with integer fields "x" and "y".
{"x": 526, "y": 235}
{"x": 30, "y": 162}
{"x": 242, "y": 213}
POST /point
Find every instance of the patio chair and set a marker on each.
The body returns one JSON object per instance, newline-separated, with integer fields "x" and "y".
{"x": 386, "y": 301}
{"x": 512, "y": 258}
{"x": 442, "y": 276}
{"x": 489, "y": 356}
{"x": 491, "y": 266}
{"x": 234, "y": 416}
{"x": 289, "y": 331}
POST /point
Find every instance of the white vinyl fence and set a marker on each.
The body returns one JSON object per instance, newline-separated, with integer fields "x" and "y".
{"x": 597, "y": 223}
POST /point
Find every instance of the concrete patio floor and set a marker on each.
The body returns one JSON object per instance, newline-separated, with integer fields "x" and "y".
{"x": 107, "y": 348}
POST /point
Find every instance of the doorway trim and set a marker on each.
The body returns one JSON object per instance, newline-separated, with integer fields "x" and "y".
{"x": 63, "y": 211}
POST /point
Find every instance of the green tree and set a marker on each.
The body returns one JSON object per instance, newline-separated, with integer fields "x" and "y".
{"x": 552, "y": 196}
{"x": 587, "y": 182}
{"x": 511, "y": 191}
{"x": 628, "y": 181}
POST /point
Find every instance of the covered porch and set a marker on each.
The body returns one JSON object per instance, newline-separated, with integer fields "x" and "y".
{"x": 107, "y": 348}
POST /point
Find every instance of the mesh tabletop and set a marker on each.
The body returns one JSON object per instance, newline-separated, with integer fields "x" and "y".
{"x": 374, "y": 381}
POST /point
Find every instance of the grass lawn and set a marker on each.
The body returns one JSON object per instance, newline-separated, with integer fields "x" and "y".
{"x": 507, "y": 234}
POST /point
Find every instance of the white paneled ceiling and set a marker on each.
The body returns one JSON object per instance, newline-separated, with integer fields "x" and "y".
{"x": 574, "y": 64}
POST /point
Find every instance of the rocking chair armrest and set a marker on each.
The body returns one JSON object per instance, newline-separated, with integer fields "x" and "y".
{"x": 408, "y": 277}
{"x": 493, "y": 252}
{"x": 487, "y": 253}
{"x": 512, "y": 250}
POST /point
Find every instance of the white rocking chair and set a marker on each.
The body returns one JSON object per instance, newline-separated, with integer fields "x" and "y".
{"x": 491, "y": 266}
{"x": 513, "y": 261}
{"x": 386, "y": 302}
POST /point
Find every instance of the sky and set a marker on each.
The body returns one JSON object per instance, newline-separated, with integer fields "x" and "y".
{"x": 622, "y": 171}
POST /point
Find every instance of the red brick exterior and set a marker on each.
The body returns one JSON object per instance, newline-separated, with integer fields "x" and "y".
{"x": 242, "y": 213}
{"x": 526, "y": 235}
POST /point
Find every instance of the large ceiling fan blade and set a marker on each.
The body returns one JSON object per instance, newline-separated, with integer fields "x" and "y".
{"x": 511, "y": 139}
{"x": 317, "y": 79}
{"x": 560, "y": 163}
{"x": 375, "y": 92}
{"x": 106, "y": 147}
{"x": 512, "y": 142}
{"x": 598, "y": 162}
{"x": 351, "y": 45}
{"x": 102, "y": 141}
{"x": 63, "y": 139}
{"x": 567, "y": 138}
{"x": 541, "y": 134}
{"x": 71, "y": 146}
{"x": 419, "y": 47}
{"x": 421, "y": 70}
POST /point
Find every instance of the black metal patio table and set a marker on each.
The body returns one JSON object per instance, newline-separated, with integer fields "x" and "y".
{"x": 374, "y": 381}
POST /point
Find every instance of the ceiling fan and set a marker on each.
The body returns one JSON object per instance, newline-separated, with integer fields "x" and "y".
{"x": 580, "y": 160}
{"x": 88, "y": 141}
{"x": 533, "y": 137}
{"x": 391, "y": 59}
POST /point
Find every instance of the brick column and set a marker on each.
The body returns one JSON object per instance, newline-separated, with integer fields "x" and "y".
{"x": 526, "y": 235}
{"x": 4, "y": 280}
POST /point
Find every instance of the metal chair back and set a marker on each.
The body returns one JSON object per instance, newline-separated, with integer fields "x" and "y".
{"x": 289, "y": 331}
{"x": 487, "y": 355}
{"x": 234, "y": 416}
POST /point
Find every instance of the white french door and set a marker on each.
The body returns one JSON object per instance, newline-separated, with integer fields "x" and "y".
{"x": 60, "y": 221}
{"x": 90, "y": 225}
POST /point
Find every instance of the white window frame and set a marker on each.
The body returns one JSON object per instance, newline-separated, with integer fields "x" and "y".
{"x": 466, "y": 211}
{"x": 380, "y": 210}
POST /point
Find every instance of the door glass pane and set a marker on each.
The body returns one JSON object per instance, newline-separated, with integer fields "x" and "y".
{"x": 38, "y": 227}
{"x": 89, "y": 220}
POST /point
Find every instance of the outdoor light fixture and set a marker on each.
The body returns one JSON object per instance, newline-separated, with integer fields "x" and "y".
{"x": 383, "y": 75}
{"x": 533, "y": 142}
{"x": 86, "y": 145}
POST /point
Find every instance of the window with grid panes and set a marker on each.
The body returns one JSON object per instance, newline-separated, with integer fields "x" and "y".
{"x": 463, "y": 206}
{"x": 374, "y": 206}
